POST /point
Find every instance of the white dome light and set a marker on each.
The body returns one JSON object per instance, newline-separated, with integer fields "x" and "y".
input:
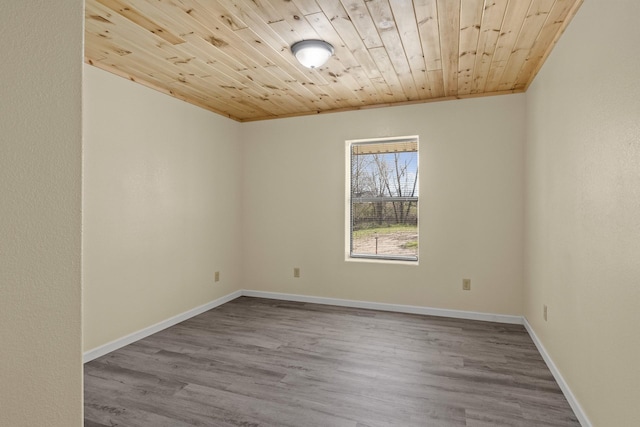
{"x": 312, "y": 53}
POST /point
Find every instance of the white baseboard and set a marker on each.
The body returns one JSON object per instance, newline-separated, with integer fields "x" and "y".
{"x": 400, "y": 308}
{"x": 145, "y": 332}
{"x": 142, "y": 333}
{"x": 573, "y": 402}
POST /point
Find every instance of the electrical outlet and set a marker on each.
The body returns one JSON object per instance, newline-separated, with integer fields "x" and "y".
{"x": 466, "y": 284}
{"x": 296, "y": 272}
{"x": 544, "y": 312}
{"x": 216, "y": 276}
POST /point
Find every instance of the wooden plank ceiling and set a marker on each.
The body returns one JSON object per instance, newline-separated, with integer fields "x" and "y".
{"x": 233, "y": 57}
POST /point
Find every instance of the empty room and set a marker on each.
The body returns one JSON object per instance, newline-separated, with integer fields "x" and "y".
{"x": 435, "y": 224}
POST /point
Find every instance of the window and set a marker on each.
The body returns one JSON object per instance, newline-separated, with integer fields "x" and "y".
{"x": 382, "y": 192}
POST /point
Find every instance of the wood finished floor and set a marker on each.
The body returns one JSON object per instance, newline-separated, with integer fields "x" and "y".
{"x": 259, "y": 362}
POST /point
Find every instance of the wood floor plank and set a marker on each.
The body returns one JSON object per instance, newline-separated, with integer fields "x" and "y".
{"x": 259, "y": 362}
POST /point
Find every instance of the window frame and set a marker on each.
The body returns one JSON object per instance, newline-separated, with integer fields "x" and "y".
{"x": 349, "y": 255}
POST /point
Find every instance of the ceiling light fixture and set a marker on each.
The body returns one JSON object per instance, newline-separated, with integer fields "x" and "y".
{"x": 312, "y": 53}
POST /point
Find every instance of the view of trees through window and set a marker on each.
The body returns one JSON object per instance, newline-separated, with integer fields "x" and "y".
{"x": 384, "y": 199}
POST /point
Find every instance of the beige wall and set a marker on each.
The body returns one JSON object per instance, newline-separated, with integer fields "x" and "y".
{"x": 40, "y": 222}
{"x": 161, "y": 207}
{"x": 471, "y": 206}
{"x": 583, "y": 209}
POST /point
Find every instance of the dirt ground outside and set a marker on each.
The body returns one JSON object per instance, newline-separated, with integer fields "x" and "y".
{"x": 393, "y": 243}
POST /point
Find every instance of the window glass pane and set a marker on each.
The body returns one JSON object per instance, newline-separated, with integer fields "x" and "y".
{"x": 385, "y": 228}
{"x": 384, "y": 199}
